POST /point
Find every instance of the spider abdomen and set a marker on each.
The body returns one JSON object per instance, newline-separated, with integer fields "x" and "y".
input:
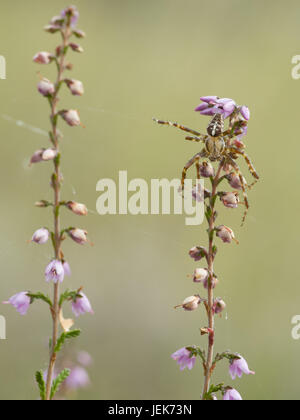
{"x": 215, "y": 147}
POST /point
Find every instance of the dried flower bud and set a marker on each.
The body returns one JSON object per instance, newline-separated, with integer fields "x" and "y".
{"x": 206, "y": 170}
{"x": 230, "y": 199}
{"x": 226, "y": 234}
{"x": 41, "y": 236}
{"x": 71, "y": 117}
{"x": 43, "y": 58}
{"x": 213, "y": 282}
{"x": 42, "y": 204}
{"x": 79, "y": 34}
{"x": 46, "y": 88}
{"x": 239, "y": 144}
{"x": 200, "y": 275}
{"x": 219, "y": 306}
{"x": 37, "y": 156}
{"x": 78, "y": 235}
{"x": 77, "y": 208}
{"x": 52, "y": 29}
{"x": 197, "y": 253}
{"x": 191, "y": 303}
{"x": 234, "y": 181}
{"x": 49, "y": 154}
{"x": 57, "y": 20}
{"x": 76, "y": 87}
{"x": 76, "y": 47}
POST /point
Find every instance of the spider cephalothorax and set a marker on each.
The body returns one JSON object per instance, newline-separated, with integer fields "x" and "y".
{"x": 221, "y": 146}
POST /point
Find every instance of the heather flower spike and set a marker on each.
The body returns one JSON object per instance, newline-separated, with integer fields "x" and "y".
{"x": 220, "y": 148}
{"x": 58, "y": 268}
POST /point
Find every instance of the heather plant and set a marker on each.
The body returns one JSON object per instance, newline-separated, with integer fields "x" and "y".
{"x": 49, "y": 383}
{"x": 216, "y": 162}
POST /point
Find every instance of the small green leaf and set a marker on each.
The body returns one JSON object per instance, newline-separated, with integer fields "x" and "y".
{"x": 66, "y": 336}
{"x": 41, "y": 384}
{"x": 59, "y": 381}
{"x": 39, "y": 296}
{"x": 69, "y": 295}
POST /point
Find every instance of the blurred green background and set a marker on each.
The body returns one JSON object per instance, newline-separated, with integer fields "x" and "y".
{"x": 145, "y": 59}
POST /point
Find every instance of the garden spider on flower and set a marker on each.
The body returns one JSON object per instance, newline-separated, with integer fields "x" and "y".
{"x": 221, "y": 146}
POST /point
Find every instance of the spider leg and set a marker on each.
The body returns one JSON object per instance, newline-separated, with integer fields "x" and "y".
{"x": 248, "y": 161}
{"x": 181, "y": 127}
{"x": 197, "y": 139}
{"x": 190, "y": 163}
{"x": 243, "y": 184}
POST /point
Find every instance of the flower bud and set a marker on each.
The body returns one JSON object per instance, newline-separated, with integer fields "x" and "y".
{"x": 76, "y": 47}
{"x": 79, "y": 34}
{"x": 230, "y": 200}
{"x": 234, "y": 181}
{"x": 43, "y": 58}
{"x": 219, "y": 306}
{"x": 197, "y": 253}
{"x": 213, "y": 282}
{"x": 226, "y": 234}
{"x": 77, "y": 208}
{"x": 49, "y": 154}
{"x": 78, "y": 235}
{"x": 52, "y": 29}
{"x": 71, "y": 117}
{"x": 191, "y": 303}
{"x": 57, "y": 20}
{"x": 41, "y": 236}
{"x": 245, "y": 112}
{"x": 42, "y": 204}
{"x": 206, "y": 170}
{"x": 200, "y": 275}
{"x": 76, "y": 87}
{"x": 71, "y": 12}
{"x": 37, "y": 156}
{"x": 46, "y": 88}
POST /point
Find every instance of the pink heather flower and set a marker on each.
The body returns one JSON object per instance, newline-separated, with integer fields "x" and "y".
{"x": 82, "y": 306}
{"x": 71, "y": 117}
{"x": 230, "y": 200}
{"x": 184, "y": 359}
{"x": 46, "y": 88}
{"x": 77, "y": 379}
{"x": 84, "y": 358}
{"x": 76, "y": 87}
{"x": 78, "y": 235}
{"x": 67, "y": 269}
{"x": 77, "y": 208}
{"x": 196, "y": 253}
{"x": 41, "y": 236}
{"x": 43, "y": 58}
{"x": 232, "y": 395}
{"x": 214, "y": 105}
{"x": 73, "y": 12}
{"x": 20, "y": 302}
{"x": 245, "y": 112}
{"x": 200, "y": 275}
{"x": 226, "y": 234}
{"x": 55, "y": 272}
{"x": 238, "y": 367}
{"x": 239, "y": 144}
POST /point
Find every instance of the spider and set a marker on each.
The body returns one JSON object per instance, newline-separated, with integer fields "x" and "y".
{"x": 218, "y": 146}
